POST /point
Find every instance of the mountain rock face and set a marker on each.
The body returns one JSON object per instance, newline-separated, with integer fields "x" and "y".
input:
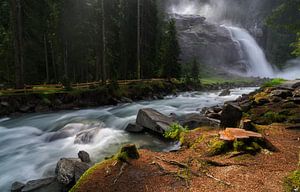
{"x": 210, "y": 44}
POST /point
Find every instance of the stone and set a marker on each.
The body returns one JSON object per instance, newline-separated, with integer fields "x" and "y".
{"x": 196, "y": 120}
{"x": 231, "y": 115}
{"x": 246, "y": 105}
{"x": 126, "y": 100}
{"x": 214, "y": 116}
{"x": 4, "y": 104}
{"x": 134, "y": 128}
{"x": 79, "y": 169}
{"x": 225, "y": 92}
{"x": 296, "y": 93}
{"x": 231, "y": 134}
{"x": 38, "y": 185}
{"x": 86, "y": 136}
{"x": 154, "y": 120}
{"x": 275, "y": 99}
{"x": 281, "y": 93}
{"x": 291, "y": 84}
{"x": 65, "y": 170}
{"x": 84, "y": 156}
{"x": 17, "y": 186}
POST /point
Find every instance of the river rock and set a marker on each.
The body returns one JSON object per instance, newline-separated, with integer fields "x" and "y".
{"x": 281, "y": 93}
{"x": 247, "y": 124}
{"x": 296, "y": 93}
{"x": 153, "y": 120}
{"x": 291, "y": 84}
{"x": 42, "y": 185}
{"x": 17, "y": 186}
{"x": 65, "y": 170}
{"x": 225, "y": 92}
{"x": 134, "y": 128}
{"x": 131, "y": 151}
{"x": 86, "y": 136}
{"x": 231, "y": 115}
{"x": 79, "y": 169}
{"x": 84, "y": 156}
{"x": 195, "y": 120}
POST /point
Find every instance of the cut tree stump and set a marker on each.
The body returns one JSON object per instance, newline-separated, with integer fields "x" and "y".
{"x": 231, "y": 134}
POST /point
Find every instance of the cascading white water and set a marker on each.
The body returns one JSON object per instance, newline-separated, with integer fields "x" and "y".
{"x": 255, "y": 59}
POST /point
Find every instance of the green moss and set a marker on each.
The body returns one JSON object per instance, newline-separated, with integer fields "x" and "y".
{"x": 198, "y": 141}
{"x": 217, "y": 147}
{"x": 292, "y": 181}
{"x": 274, "y": 82}
{"x": 90, "y": 171}
{"x": 238, "y": 145}
{"x": 175, "y": 132}
{"x": 273, "y": 117}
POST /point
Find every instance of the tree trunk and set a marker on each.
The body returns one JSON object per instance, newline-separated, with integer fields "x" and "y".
{"x": 16, "y": 13}
{"x": 104, "y": 67}
{"x": 53, "y": 61}
{"x": 138, "y": 40}
{"x": 46, "y": 59}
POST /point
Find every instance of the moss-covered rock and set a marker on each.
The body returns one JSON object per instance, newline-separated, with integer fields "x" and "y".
{"x": 292, "y": 182}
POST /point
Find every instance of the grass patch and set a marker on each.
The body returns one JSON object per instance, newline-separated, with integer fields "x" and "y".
{"x": 175, "y": 132}
{"x": 274, "y": 82}
{"x": 292, "y": 182}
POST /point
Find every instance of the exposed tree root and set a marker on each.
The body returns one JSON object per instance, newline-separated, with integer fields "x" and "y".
{"x": 120, "y": 172}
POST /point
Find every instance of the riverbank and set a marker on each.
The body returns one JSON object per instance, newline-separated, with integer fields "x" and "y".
{"x": 18, "y": 104}
{"x": 267, "y": 163}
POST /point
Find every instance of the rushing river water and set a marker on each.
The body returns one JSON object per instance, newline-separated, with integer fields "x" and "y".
{"x": 26, "y": 152}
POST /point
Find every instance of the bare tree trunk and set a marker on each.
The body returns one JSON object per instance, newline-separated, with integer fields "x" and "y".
{"x": 66, "y": 60}
{"x": 53, "y": 61}
{"x": 138, "y": 39}
{"x": 46, "y": 59}
{"x": 104, "y": 67}
{"x": 16, "y": 13}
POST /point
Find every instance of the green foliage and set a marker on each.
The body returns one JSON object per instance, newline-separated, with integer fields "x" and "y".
{"x": 175, "y": 132}
{"x": 274, "y": 117}
{"x": 274, "y": 82}
{"x": 292, "y": 182}
{"x": 170, "y": 52}
{"x": 217, "y": 147}
{"x": 296, "y": 46}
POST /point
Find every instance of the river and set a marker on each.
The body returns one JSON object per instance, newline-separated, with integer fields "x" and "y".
{"x": 27, "y": 153}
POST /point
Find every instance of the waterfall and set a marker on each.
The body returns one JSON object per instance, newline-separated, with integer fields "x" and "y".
{"x": 254, "y": 57}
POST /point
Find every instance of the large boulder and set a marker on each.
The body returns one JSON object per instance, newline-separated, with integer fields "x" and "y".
{"x": 17, "y": 186}
{"x": 154, "y": 120}
{"x": 225, "y": 92}
{"x": 65, "y": 170}
{"x": 195, "y": 120}
{"x": 231, "y": 115}
{"x": 79, "y": 169}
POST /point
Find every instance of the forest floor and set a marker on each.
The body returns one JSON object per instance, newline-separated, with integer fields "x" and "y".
{"x": 189, "y": 169}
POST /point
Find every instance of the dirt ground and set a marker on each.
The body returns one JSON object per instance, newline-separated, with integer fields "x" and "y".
{"x": 190, "y": 170}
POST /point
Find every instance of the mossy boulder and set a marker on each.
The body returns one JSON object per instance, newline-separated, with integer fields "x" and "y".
{"x": 127, "y": 152}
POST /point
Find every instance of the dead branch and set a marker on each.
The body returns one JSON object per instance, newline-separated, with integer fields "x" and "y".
{"x": 120, "y": 172}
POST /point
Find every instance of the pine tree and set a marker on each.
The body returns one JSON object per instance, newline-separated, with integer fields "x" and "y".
{"x": 195, "y": 71}
{"x": 170, "y": 52}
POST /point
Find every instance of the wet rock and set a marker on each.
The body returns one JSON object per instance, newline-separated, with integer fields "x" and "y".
{"x": 231, "y": 115}
{"x": 45, "y": 185}
{"x": 281, "y": 93}
{"x": 79, "y": 169}
{"x": 246, "y": 105}
{"x": 225, "y": 92}
{"x": 26, "y": 108}
{"x": 134, "y": 128}
{"x": 84, "y": 156}
{"x": 214, "y": 116}
{"x": 126, "y": 100}
{"x": 65, "y": 170}
{"x": 232, "y": 134}
{"x": 195, "y": 120}
{"x": 41, "y": 108}
{"x": 275, "y": 99}
{"x": 291, "y": 84}
{"x": 86, "y": 136}
{"x": 17, "y": 186}
{"x": 153, "y": 120}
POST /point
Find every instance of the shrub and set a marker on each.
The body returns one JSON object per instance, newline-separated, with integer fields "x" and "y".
{"x": 175, "y": 131}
